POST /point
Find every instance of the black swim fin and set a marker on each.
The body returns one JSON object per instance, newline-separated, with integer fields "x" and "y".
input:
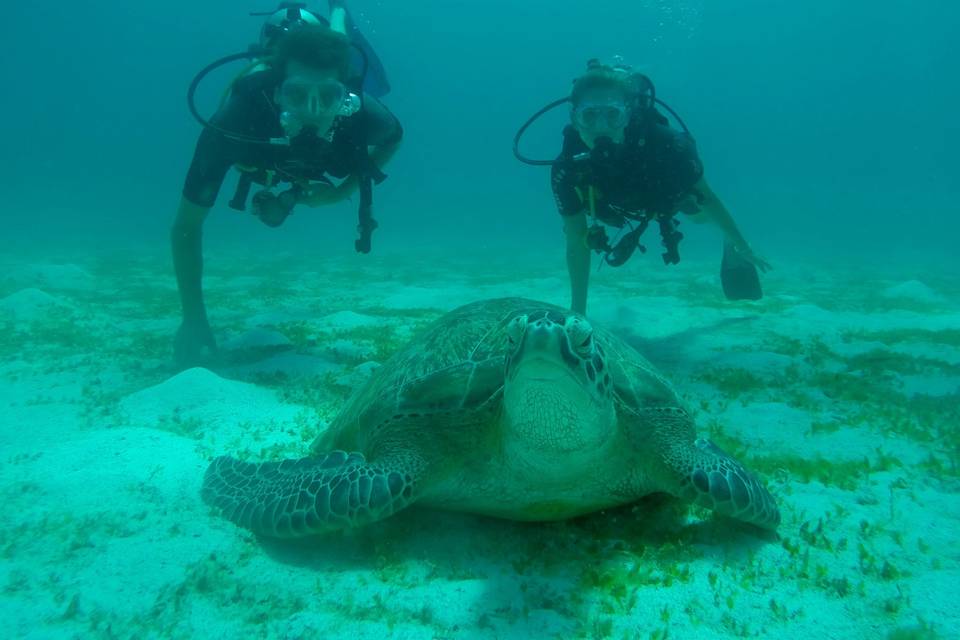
{"x": 739, "y": 277}
{"x": 375, "y": 82}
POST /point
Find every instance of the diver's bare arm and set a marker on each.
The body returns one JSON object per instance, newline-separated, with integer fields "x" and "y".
{"x": 380, "y": 155}
{"x": 578, "y": 260}
{"x": 713, "y": 210}
{"x": 320, "y": 194}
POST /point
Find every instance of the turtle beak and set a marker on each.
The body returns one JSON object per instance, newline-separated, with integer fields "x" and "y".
{"x": 539, "y": 338}
{"x": 542, "y": 335}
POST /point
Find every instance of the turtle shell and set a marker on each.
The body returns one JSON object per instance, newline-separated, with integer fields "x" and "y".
{"x": 455, "y": 367}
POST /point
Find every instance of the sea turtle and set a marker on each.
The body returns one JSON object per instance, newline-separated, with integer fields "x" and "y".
{"x": 510, "y": 408}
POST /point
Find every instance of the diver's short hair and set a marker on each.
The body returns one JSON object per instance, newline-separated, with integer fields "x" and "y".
{"x": 316, "y": 46}
{"x": 602, "y": 77}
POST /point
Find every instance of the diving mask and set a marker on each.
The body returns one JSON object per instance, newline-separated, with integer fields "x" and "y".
{"x": 306, "y": 102}
{"x": 601, "y": 116}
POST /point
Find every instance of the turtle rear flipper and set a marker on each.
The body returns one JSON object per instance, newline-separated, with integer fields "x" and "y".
{"x": 719, "y": 482}
{"x": 295, "y": 498}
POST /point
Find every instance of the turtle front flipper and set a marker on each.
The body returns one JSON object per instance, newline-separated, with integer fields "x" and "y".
{"x": 716, "y": 480}
{"x": 295, "y": 498}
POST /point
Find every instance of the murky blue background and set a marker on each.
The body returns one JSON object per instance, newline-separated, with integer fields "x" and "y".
{"x": 828, "y": 128}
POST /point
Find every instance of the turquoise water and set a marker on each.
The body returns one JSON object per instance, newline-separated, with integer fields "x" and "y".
{"x": 825, "y": 128}
{"x": 827, "y": 131}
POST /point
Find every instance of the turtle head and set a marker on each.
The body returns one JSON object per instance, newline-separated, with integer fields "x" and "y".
{"x": 557, "y": 393}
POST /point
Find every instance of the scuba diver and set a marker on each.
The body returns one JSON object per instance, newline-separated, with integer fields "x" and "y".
{"x": 302, "y": 122}
{"x": 623, "y": 166}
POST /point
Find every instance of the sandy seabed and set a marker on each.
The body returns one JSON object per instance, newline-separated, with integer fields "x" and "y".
{"x": 841, "y": 388}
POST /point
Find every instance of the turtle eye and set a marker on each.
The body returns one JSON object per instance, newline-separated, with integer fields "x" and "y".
{"x": 581, "y": 336}
{"x": 586, "y": 345}
{"x": 516, "y": 329}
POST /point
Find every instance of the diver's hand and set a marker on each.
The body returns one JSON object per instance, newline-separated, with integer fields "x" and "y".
{"x": 318, "y": 194}
{"x": 194, "y": 344}
{"x": 745, "y": 252}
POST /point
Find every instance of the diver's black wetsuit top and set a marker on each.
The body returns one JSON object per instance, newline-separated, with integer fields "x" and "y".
{"x": 250, "y": 111}
{"x": 650, "y": 174}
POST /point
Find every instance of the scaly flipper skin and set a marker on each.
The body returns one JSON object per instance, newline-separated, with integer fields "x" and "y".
{"x": 719, "y": 482}
{"x": 295, "y": 498}
{"x": 699, "y": 471}
{"x": 509, "y": 407}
